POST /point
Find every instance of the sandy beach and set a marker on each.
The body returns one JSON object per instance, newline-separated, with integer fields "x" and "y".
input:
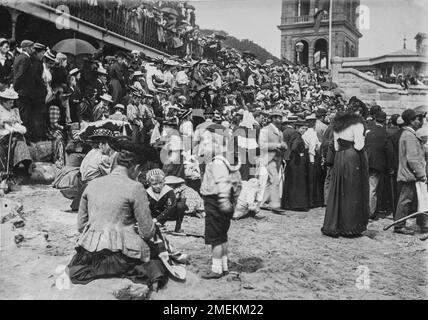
{"x": 271, "y": 256}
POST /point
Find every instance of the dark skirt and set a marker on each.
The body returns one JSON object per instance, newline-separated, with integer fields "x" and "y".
{"x": 18, "y": 149}
{"x": 87, "y": 266}
{"x": 217, "y": 223}
{"x": 316, "y": 178}
{"x": 347, "y": 211}
{"x": 295, "y": 193}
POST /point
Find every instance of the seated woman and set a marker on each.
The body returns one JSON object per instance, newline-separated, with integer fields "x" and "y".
{"x": 97, "y": 162}
{"x": 57, "y": 135}
{"x": 10, "y": 124}
{"x": 67, "y": 179}
{"x": 163, "y": 203}
{"x": 115, "y": 226}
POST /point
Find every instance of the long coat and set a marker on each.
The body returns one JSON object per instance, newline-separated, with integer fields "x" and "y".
{"x": 375, "y": 142}
{"x": 23, "y": 76}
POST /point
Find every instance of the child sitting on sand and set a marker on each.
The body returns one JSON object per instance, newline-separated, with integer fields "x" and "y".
{"x": 220, "y": 189}
{"x": 162, "y": 201}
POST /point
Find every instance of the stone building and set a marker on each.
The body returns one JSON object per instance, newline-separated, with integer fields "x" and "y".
{"x": 297, "y": 25}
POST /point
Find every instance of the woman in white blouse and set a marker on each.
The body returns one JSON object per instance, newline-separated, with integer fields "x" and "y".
{"x": 11, "y": 124}
{"x": 347, "y": 211}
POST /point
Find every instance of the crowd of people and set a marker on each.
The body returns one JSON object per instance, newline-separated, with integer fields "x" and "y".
{"x": 201, "y": 137}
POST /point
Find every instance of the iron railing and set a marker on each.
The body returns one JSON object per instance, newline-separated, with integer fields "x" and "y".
{"x": 118, "y": 19}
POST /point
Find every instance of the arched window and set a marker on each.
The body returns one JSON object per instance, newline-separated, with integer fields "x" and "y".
{"x": 346, "y": 49}
{"x": 321, "y": 53}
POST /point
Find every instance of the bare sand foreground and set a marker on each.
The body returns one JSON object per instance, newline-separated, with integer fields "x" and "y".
{"x": 276, "y": 257}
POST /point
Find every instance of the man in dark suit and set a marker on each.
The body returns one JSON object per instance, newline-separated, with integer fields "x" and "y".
{"x": 24, "y": 83}
{"x": 376, "y": 139}
{"x": 119, "y": 78}
{"x": 100, "y": 83}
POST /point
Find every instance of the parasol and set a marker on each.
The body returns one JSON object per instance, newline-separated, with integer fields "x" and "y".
{"x": 74, "y": 47}
{"x": 123, "y": 127}
{"x": 421, "y": 109}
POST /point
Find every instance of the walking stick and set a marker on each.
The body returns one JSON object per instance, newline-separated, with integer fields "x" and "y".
{"x": 404, "y": 219}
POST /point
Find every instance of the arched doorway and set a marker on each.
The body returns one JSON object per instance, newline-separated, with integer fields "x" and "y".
{"x": 302, "y": 57}
{"x": 321, "y": 54}
{"x": 5, "y": 23}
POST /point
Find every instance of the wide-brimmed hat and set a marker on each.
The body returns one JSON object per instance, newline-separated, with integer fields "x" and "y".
{"x": 106, "y": 97}
{"x": 101, "y": 134}
{"x": 9, "y": 94}
{"x": 275, "y": 113}
{"x": 2, "y": 40}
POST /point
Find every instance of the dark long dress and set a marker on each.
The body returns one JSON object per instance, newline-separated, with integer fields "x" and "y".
{"x": 295, "y": 192}
{"x": 347, "y": 211}
{"x": 316, "y": 178}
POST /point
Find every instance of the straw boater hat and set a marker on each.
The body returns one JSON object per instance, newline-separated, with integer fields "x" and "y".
{"x": 74, "y": 71}
{"x": 39, "y": 46}
{"x": 49, "y": 55}
{"x": 101, "y": 70}
{"x": 9, "y": 94}
{"x": 106, "y": 97}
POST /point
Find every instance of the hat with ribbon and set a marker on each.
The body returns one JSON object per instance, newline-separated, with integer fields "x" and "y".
{"x": 106, "y": 97}
{"x": 101, "y": 134}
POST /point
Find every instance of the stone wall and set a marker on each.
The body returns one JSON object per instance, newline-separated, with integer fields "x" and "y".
{"x": 390, "y": 96}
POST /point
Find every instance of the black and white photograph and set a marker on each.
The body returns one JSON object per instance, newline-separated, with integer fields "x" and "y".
{"x": 213, "y": 150}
